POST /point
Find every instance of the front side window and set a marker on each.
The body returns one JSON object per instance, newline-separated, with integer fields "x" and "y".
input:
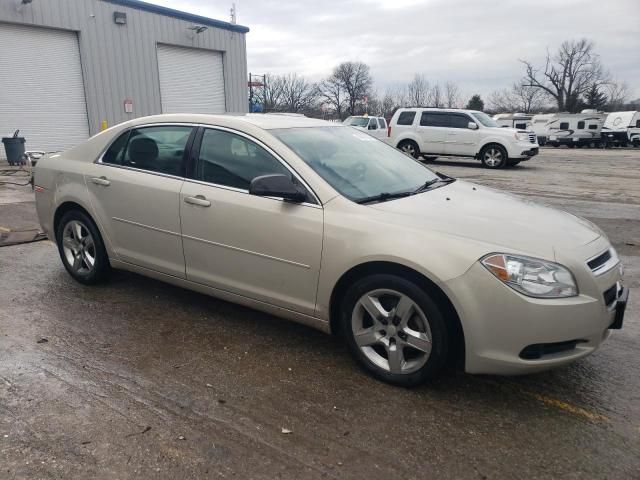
{"x": 581, "y": 125}
{"x": 355, "y": 164}
{"x": 157, "y": 149}
{"x": 431, "y": 119}
{"x": 234, "y": 161}
{"x": 459, "y": 121}
{"x": 406, "y": 118}
{"x": 564, "y": 126}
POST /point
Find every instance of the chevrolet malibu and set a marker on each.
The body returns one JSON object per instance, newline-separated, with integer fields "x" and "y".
{"x": 325, "y": 225}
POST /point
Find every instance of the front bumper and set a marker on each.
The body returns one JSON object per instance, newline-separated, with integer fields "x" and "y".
{"x": 523, "y": 150}
{"x": 502, "y": 327}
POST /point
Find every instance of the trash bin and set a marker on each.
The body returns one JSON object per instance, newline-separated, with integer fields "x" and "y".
{"x": 14, "y": 148}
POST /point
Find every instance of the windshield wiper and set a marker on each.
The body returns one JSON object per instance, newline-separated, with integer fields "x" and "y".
{"x": 443, "y": 180}
{"x": 383, "y": 197}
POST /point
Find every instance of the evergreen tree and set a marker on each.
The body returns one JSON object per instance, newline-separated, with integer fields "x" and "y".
{"x": 475, "y": 103}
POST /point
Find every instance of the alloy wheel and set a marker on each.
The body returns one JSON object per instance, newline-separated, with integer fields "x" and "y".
{"x": 79, "y": 247}
{"x": 493, "y": 157}
{"x": 409, "y": 149}
{"x": 391, "y": 331}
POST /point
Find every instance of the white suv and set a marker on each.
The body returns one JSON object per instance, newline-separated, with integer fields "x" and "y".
{"x": 374, "y": 126}
{"x": 462, "y": 133}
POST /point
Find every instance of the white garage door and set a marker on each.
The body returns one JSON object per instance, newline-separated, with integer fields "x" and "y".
{"x": 41, "y": 88}
{"x": 191, "y": 80}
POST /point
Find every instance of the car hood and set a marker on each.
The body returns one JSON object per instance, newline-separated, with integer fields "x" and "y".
{"x": 485, "y": 215}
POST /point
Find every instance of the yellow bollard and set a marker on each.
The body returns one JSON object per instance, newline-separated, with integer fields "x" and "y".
{"x": 103, "y": 125}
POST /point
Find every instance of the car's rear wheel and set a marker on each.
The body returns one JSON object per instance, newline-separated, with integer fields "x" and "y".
{"x": 410, "y": 148}
{"x": 493, "y": 156}
{"x": 394, "y": 329}
{"x": 81, "y": 248}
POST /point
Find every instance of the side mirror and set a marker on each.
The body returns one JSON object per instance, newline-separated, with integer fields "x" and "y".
{"x": 472, "y": 125}
{"x": 277, "y": 185}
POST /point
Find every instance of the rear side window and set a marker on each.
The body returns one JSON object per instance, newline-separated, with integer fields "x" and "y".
{"x": 157, "y": 149}
{"x": 580, "y": 125}
{"x": 593, "y": 127}
{"x": 382, "y": 123}
{"x": 458, "y": 121}
{"x": 431, "y": 119}
{"x": 115, "y": 152}
{"x": 406, "y": 118}
{"x": 564, "y": 126}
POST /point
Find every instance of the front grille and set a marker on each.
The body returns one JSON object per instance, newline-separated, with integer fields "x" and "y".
{"x": 539, "y": 350}
{"x": 599, "y": 261}
{"x": 610, "y": 295}
{"x": 532, "y": 137}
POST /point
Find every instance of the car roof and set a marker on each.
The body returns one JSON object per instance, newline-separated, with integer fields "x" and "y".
{"x": 435, "y": 109}
{"x": 266, "y": 121}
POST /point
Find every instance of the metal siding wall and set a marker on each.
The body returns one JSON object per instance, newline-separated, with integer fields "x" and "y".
{"x": 120, "y": 62}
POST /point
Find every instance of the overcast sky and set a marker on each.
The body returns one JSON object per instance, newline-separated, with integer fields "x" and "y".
{"x": 476, "y": 43}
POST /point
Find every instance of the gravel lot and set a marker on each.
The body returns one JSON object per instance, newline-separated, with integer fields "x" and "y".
{"x": 138, "y": 379}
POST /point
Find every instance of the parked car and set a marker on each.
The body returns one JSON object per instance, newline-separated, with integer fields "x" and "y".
{"x": 374, "y": 126}
{"x": 324, "y": 225}
{"x": 439, "y": 132}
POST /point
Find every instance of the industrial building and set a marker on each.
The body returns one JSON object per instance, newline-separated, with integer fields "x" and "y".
{"x": 68, "y": 68}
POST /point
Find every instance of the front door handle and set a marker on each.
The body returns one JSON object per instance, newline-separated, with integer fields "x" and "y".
{"x": 199, "y": 200}
{"x": 101, "y": 181}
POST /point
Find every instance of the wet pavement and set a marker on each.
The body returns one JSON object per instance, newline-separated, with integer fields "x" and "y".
{"x": 138, "y": 379}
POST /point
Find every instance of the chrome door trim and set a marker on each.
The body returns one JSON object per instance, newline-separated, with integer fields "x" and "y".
{"x": 250, "y": 252}
{"x": 148, "y": 227}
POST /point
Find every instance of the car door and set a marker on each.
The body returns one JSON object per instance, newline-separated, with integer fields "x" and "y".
{"x": 372, "y": 127}
{"x": 461, "y": 140}
{"x": 432, "y": 131}
{"x": 135, "y": 195}
{"x": 259, "y": 247}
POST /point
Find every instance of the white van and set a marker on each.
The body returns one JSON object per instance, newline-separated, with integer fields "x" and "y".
{"x": 436, "y": 132}
{"x": 374, "y": 126}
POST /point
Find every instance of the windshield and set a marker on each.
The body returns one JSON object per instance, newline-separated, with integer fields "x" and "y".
{"x": 357, "y": 165}
{"x": 485, "y": 119}
{"x": 357, "y": 121}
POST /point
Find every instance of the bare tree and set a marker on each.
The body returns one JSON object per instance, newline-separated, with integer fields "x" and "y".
{"x": 271, "y": 93}
{"x": 418, "y": 91}
{"x": 568, "y": 74}
{"x": 354, "y": 80}
{"x": 333, "y": 95}
{"x": 617, "y": 93}
{"x": 518, "y": 98}
{"x": 436, "y": 97}
{"x": 452, "y": 95}
{"x": 298, "y": 93}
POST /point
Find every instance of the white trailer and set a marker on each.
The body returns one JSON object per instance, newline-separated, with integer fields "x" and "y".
{"x": 575, "y": 129}
{"x": 622, "y": 128}
{"x": 539, "y": 126}
{"x": 521, "y": 121}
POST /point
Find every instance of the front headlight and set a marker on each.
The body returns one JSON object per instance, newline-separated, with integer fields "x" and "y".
{"x": 522, "y": 137}
{"x": 531, "y": 276}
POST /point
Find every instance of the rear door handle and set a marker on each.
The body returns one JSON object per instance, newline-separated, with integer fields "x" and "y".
{"x": 199, "y": 200}
{"x": 101, "y": 181}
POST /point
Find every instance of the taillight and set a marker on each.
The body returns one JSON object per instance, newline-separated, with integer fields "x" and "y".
{"x": 389, "y": 131}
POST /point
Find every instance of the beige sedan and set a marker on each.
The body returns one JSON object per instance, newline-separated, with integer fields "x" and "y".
{"x": 327, "y": 226}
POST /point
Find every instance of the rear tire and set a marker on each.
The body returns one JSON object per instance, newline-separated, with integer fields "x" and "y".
{"x": 395, "y": 331}
{"x": 493, "y": 156}
{"x": 410, "y": 148}
{"x": 81, "y": 248}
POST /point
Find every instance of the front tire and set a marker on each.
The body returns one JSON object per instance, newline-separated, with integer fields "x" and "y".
{"x": 410, "y": 148}
{"x": 493, "y": 156}
{"x": 81, "y": 248}
{"x": 394, "y": 329}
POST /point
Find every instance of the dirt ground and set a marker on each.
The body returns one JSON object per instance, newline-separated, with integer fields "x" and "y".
{"x": 138, "y": 379}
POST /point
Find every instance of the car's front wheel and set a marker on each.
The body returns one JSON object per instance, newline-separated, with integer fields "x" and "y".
{"x": 81, "y": 248}
{"x": 493, "y": 156}
{"x": 394, "y": 329}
